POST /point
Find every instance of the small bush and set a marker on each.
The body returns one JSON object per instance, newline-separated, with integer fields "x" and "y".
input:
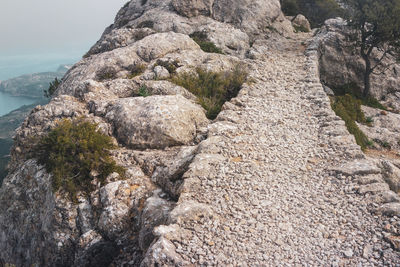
{"x": 349, "y": 109}
{"x": 369, "y": 120}
{"x": 52, "y": 88}
{"x": 212, "y": 89}
{"x": 201, "y": 39}
{"x": 143, "y": 91}
{"x": 355, "y": 91}
{"x": 136, "y": 70}
{"x": 71, "y": 151}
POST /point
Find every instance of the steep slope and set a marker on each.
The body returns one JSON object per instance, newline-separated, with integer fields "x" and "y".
{"x": 271, "y": 181}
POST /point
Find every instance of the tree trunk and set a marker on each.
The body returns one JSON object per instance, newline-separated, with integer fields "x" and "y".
{"x": 367, "y": 74}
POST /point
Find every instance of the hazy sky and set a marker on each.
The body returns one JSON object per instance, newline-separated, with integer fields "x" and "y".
{"x": 46, "y": 26}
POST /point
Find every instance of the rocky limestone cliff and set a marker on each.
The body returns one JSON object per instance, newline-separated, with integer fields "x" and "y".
{"x": 275, "y": 179}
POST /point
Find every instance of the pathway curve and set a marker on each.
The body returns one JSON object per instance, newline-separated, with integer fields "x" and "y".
{"x": 266, "y": 175}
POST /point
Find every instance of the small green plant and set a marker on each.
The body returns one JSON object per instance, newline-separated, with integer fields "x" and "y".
{"x": 349, "y": 109}
{"x": 72, "y": 151}
{"x": 136, "y": 70}
{"x": 144, "y": 91}
{"x": 201, "y": 39}
{"x": 386, "y": 144}
{"x": 171, "y": 66}
{"x": 146, "y": 24}
{"x": 369, "y": 120}
{"x": 212, "y": 89}
{"x": 52, "y": 88}
{"x": 355, "y": 91}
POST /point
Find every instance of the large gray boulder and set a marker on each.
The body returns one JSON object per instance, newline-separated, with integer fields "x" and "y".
{"x": 341, "y": 64}
{"x": 156, "y": 121}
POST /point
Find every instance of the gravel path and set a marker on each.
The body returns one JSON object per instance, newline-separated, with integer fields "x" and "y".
{"x": 274, "y": 198}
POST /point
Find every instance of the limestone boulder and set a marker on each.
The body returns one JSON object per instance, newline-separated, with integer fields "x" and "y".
{"x": 391, "y": 173}
{"x": 301, "y": 22}
{"x": 156, "y": 121}
{"x": 384, "y": 128}
{"x": 193, "y": 8}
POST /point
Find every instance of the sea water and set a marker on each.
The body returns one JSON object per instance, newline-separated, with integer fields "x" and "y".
{"x": 9, "y": 103}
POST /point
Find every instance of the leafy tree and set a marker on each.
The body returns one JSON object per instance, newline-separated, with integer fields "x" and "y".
{"x": 376, "y": 25}
{"x": 52, "y": 88}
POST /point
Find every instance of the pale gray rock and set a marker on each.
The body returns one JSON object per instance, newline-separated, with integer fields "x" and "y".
{"x": 156, "y": 121}
{"x": 300, "y": 21}
{"x": 161, "y": 73}
{"x": 168, "y": 88}
{"x": 155, "y": 213}
{"x": 392, "y": 175}
{"x": 358, "y": 167}
{"x": 373, "y": 188}
{"x": 162, "y": 253}
{"x": 390, "y": 209}
{"x": 384, "y": 129}
{"x": 193, "y": 8}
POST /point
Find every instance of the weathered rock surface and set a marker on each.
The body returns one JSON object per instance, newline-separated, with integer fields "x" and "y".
{"x": 261, "y": 174}
{"x": 301, "y": 22}
{"x": 384, "y": 128}
{"x": 340, "y": 64}
{"x": 156, "y": 121}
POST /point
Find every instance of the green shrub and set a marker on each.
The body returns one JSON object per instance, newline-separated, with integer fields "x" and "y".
{"x": 349, "y": 109}
{"x": 355, "y": 91}
{"x": 201, "y": 39}
{"x": 136, "y": 70}
{"x": 52, "y": 88}
{"x": 143, "y": 91}
{"x": 71, "y": 151}
{"x": 212, "y": 89}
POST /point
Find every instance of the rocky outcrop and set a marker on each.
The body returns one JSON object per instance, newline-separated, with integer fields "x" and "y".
{"x": 157, "y": 135}
{"x": 341, "y": 64}
{"x": 195, "y": 190}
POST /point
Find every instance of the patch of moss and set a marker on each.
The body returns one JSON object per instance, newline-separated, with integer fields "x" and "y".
{"x": 212, "y": 89}
{"x": 72, "y": 151}
{"x": 201, "y": 39}
{"x": 348, "y": 108}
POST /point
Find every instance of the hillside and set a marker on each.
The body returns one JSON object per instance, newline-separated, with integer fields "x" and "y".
{"x": 31, "y": 85}
{"x": 198, "y": 133}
